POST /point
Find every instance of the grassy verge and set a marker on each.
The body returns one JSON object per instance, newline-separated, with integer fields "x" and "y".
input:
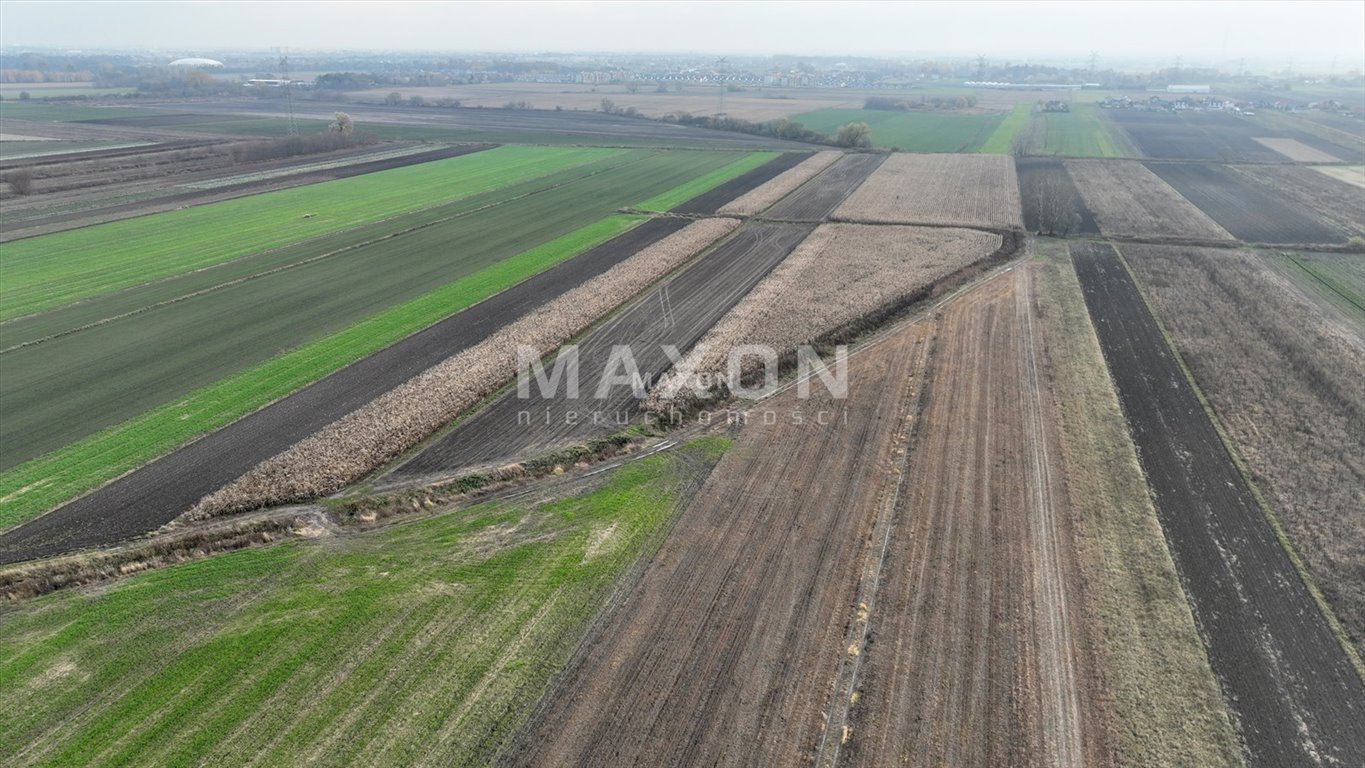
{"x": 1001, "y": 141}
{"x": 39, "y": 484}
{"x": 681, "y": 194}
{"x": 422, "y": 643}
{"x": 51, "y": 270}
{"x": 1168, "y": 706}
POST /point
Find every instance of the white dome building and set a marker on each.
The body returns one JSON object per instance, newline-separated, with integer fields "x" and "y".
{"x": 193, "y": 63}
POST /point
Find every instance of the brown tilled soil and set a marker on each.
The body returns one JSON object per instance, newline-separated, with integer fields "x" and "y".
{"x": 981, "y": 652}
{"x": 831, "y": 599}
{"x": 728, "y": 649}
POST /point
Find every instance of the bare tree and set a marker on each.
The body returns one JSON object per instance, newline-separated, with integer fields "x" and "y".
{"x": 342, "y": 124}
{"x": 853, "y": 135}
{"x": 393, "y": 99}
{"x": 608, "y": 106}
{"x": 21, "y": 181}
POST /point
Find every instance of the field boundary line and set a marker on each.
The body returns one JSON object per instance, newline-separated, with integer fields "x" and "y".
{"x": 1333, "y": 623}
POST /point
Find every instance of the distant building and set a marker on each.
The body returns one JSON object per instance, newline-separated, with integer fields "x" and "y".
{"x": 197, "y": 63}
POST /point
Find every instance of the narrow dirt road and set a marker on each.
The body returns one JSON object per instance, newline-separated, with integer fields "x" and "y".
{"x": 978, "y": 652}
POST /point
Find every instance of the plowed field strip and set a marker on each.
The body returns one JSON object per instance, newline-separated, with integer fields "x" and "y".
{"x": 678, "y": 312}
{"x": 1289, "y": 684}
{"x": 979, "y": 655}
{"x": 727, "y": 651}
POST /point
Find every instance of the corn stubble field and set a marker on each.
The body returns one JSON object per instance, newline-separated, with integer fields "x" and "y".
{"x": 973, "y": 559}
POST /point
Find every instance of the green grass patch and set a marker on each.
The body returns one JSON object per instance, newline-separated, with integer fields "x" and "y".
{"x": 910, "y": 131}
{"x": 425, "y": 642}
{"x": 51, "y": 270}
{"x": 66, "y": 112}
{"x": 39, "y": 484}
{"x": 682, "y": 193}
{"x": 1001, "y": 141}
{"x": 1082, "y": 132}
{"x": 1339, "y": 280}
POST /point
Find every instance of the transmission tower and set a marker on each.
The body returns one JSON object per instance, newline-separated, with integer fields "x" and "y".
{"x": 293, "y": 128}
{"x": 1094, "y": 56}
{"x": 980, "y": 67}
{"x": 720, "y": 63}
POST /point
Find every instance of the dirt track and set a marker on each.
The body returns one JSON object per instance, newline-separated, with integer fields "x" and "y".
{"x": 727, "y": 651}
{"x": 1295, "y": 696}
{"x": 979, "y": 652}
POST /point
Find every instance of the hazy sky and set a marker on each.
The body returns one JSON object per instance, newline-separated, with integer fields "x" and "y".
{"x": 1197, "y": 31}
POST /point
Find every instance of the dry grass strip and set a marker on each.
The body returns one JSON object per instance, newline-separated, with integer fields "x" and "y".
{"x": 955, "y": 190}
{"x": 762, "y": 197}
{"x": 373, "y": 435}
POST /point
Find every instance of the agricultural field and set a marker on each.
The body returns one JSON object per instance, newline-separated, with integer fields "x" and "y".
{"x": 764, "y": 196}
{"x": 1251, "y": 212}
{"x": 1128, "y": 200}
{"x": 980, "y": 649}
{"x": 1260, "y": 621}
{"x": 350, "y": 448}
{"x": 1150, "y": 654}
{"x": 1339, "y": 203}
{"x": 559, "y": 211}
{"x": 1282, "y": 376}
{"x": 926, "y": 131}
{"x": 324, "y": 649}
{"x": 815, "y": 200}
{"x": 1338, "y": 280}
{"x": 1052, "y": 204}
{"x": 734, "y": 640}
{"x": 1220, "y": 136}
{"x": 677, "y": 312}
{"x": 836, "y": 283}
{"x": 958, "y": 190}
{"x": 1351, "y": 174}
{"x": 1085, "y": 131}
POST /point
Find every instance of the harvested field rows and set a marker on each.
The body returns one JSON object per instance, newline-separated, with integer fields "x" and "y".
{"x": 677, "y": 314}
{"x": 1167, "y": 707}
{"x": 1250, "y": 211}
{"x": 1294, "y": 694}
{"x": 953, "y": 190}
{"x": 980, "y": 650}
{"x": 1285, "y": 382}
{"x": 1298, "y": 151}
{"x": 1342, "y": 204}
{"x": 1052, "y": 204}
{"x": 1218, "y": 136}
{"x": 764, "y": 196}
{"x": 820, "y": 196}
{"x": 836, "y": 278}
{"x": 1128, "y": 200}
{"x": 348, "y": 449}
{"x": 1351, "y": 174}
{"x": 728, "y": 649}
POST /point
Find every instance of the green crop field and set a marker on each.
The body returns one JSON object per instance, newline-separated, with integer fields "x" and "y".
{"x": 184, "y": 367}
{"x": 423, "y": 643}
{"x": 1001, "y": 141}
{"x": 910, "y": 131}
{"x": 1082, "y": 132}
{"x": 51, "y": 270}
{"x": 1340, "y": 280}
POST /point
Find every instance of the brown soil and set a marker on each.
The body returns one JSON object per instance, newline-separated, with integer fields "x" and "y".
{"x": 980, "y": 651}
{"x": 830, "y": 599}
